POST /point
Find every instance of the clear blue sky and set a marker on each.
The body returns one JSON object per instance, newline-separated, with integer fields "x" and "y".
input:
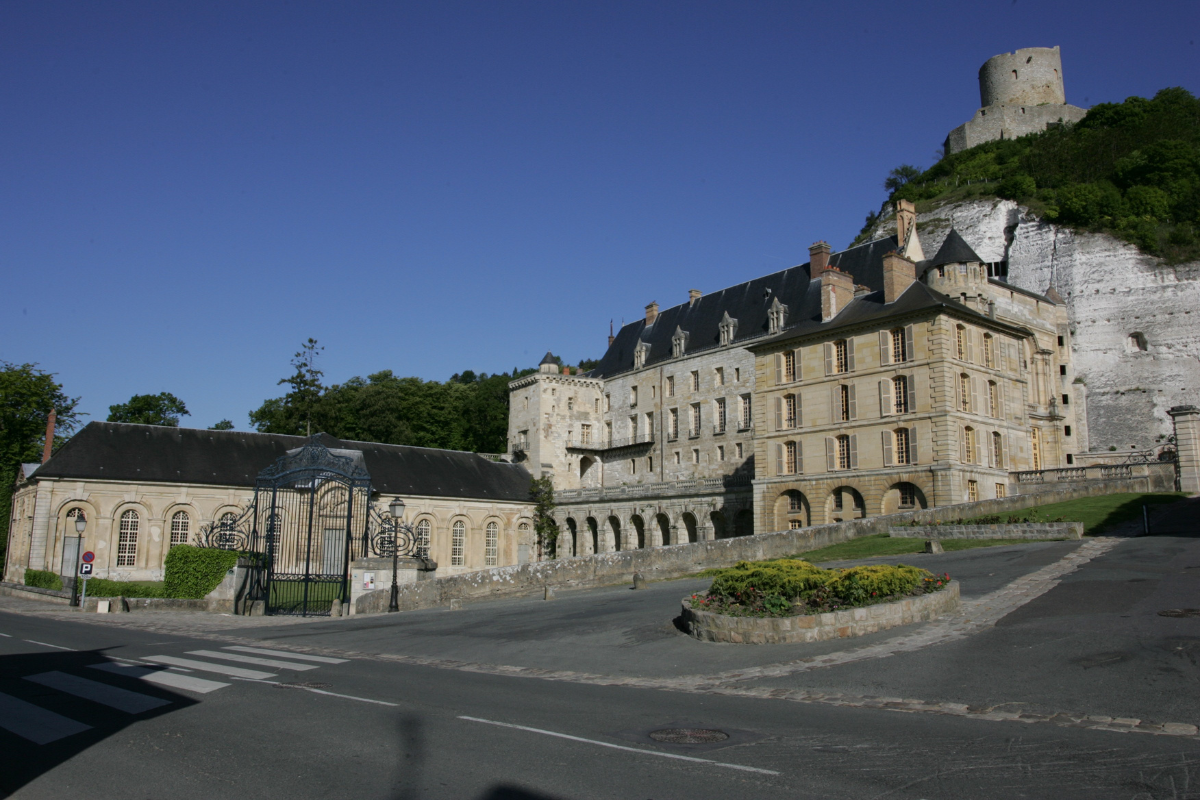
{"x": 192, "y": 189}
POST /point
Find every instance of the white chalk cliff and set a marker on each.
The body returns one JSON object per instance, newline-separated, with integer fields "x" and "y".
{"x": 1119, "y": 301}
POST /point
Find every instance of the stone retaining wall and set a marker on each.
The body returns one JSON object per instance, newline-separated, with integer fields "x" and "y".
{"x": 674, "y": 561}
{"x": 708, "y": 626}
{"x": 34, "y": 593}
{"x": 1019, "y": 530}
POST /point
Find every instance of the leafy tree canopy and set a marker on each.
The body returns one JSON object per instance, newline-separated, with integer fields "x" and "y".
{"x": 27, "y": 395}
{"x": 223, "y": 425}
{"x": 150, "y": 409}
{"x": 1131, "y": 169}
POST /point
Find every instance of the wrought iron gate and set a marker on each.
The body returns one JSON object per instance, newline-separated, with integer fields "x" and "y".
{"x": 308, "y": 521}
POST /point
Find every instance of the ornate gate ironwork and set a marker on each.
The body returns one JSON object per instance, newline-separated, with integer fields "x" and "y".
{"x": 308, "y": 521}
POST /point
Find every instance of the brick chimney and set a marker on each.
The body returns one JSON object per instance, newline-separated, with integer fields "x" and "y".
{"x": 898, "y": 274}
{"x": 693, "y": 296}
{"x": 49, "y": 435}
{"x": 906, "y": 220}
{"x": 651, "y": 312}
{"x": 837, "y": 290}
{"x": 818, "y": 258}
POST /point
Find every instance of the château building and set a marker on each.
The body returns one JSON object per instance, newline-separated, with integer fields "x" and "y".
{"x": 862, "y": 382}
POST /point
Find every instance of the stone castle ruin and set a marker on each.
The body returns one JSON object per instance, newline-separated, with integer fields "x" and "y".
{"x": 1020, "y": 93}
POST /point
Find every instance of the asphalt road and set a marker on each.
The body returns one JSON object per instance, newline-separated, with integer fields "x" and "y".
{"x": 370, "y": 726}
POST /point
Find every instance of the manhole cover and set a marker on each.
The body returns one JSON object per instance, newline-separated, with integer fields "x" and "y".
{"x": 302, "y": 686}
{"x": 688, "y": 735}
{"x": 1180, "y": 612}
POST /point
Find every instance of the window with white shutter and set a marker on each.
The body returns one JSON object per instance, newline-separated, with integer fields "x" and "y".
{"x": 885, "y": 348}
{"x": 887, "y": 447}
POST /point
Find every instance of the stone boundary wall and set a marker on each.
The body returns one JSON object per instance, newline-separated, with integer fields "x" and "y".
{"x": 675, "y": 561}
{"x": 1153, "y": 477}
{"x": 1019, "y": 530}
{"x": 34, "y": 593}
{"x": 708, "y": 626}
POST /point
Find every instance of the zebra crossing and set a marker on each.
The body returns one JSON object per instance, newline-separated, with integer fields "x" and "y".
{"x": 42, "y": 726}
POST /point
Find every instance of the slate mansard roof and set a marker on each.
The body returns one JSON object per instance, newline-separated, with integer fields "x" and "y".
{"x": 155, "y": 454}
{"x": 747, "y": 303}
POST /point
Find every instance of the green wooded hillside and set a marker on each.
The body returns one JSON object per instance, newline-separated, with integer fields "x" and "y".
{"x": 1131, "y": 169}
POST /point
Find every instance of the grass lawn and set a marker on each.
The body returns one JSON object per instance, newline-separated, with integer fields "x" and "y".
{"x": 883, "y": 545}
{"x": 1099, "y": 514}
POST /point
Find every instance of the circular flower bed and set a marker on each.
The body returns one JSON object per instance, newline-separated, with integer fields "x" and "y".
{"x": 789, "y": 600}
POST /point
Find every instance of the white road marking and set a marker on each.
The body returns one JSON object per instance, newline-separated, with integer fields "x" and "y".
{"x": 6, "y": 635}
{"x": 162, "y": 677}
{"x": 285, "y": 654}
{"x": 322, "y": 691}
{"x": 111, "y": 696}
{"x": 204, "y": 666}
{"x": 35, "y": 723}
{"x": 622, "y": 747}
{"x": 262, "y": 662}
{"x": 55, "y": 646}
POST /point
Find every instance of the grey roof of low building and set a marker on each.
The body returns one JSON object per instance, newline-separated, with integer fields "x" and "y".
{"x": 747, "y": 303}
{"x": 156, "y": 454}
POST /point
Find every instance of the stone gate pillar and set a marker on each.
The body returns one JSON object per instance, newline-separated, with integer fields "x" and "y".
{"x": 1187, "y": 447}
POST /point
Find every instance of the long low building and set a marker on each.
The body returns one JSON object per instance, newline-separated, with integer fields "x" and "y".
{"x": 143, "y": 488}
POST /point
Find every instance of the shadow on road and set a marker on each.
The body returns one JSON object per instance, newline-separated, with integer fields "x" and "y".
{"x": 43, "y": 720}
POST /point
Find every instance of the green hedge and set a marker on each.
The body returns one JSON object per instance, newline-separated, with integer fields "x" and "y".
{"x": 42, "y": 579}
{"x": 192, "y": 572}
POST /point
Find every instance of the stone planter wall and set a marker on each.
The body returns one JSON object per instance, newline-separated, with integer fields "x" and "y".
{"x": 1021, "y": 530}
{"x": 708, "y": 626}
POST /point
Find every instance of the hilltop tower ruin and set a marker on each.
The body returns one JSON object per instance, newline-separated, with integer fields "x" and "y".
{"x": 1020, "y": 93}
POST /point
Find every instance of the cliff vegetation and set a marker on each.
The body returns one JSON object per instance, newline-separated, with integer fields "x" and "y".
{"x": 1130, "y": 169}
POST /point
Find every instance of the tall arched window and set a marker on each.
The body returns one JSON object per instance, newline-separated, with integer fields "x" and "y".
{"x": 843, "y": 452}
{"x": 969, "y": 445}
{"x": 491, "y": 545}
{"x": 902, "y": 451}
{"x": 988, "y": 351}
{"x": 181, "y": 528}
{"x": 993, "y": 399}
{"x": 423, "y": 531}
{"x": 458, "y": 542}
{"x": 1035, "y": 439}
{"x": 900, "y": 394}
{"x": 899, "y": 349}
{"x": 127, "y": 539}
{"x": 964, "y": 392}
{"x": 960, "y": 343}
{"x": 228, "y": 521}
{"x": 997, "y": 449}
{"x": 789, "y": 458}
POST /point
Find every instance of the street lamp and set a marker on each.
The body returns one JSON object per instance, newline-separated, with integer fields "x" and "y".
{"x": 397, "y": 509}
{"x": 80, "y": 524}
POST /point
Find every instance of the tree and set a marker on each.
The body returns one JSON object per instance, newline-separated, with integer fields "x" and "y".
{"x": 27, "y": 395}
{"x": 223, "y": 425}
{"x": 305, "y": 383}
{"x": 150, "y": 409}
{"x": 900, "y": 176}
{"x": 541, "y": 492}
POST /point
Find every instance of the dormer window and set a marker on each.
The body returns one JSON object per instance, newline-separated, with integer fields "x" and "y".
{"x": 728, "y": 329}
{"x": 679, "y": 342}
{"x": 639, "y": 355}
{"x": 775, "y": 316}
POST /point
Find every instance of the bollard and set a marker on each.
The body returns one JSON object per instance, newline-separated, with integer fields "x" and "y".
{"x": 638, "y": 581}
{"x": 933, "y": 546}
{"x": 335, "y": 610}
{"x": 456, "y": 604}
{"x": 549, "y": 595}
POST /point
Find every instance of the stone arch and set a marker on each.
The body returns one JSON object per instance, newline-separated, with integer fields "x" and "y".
{"x": 589, "y": 472}
{"x": 636, "y": 532}
{"x": 902, "y": 496}
{"x": 572, "y": 546}
{"x": 592, "y": 540}
{"x": 663, "y": 524}
{"x": 614, "y": 535}
{"x": 844, "y": 503}
{"x": 792, "y": 510}
{"x": 743, "y": 522}
{"x": 719, "y": 526}
{"x": 691, "y": 527}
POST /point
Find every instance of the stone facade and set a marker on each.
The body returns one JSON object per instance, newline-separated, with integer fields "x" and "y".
{"x": 1020, "y": 93}
{"x": 1134, "y": 323}
{"x": 40, "y": 525}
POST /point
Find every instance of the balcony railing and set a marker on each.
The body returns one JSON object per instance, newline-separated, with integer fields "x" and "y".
{"x": 577, "y": 443}
{"x": 520, "y": 446}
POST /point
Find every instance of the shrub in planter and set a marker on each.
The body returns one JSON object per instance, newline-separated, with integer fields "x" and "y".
{"x": 42, "y": 579}
{"x": 790, "y": 586}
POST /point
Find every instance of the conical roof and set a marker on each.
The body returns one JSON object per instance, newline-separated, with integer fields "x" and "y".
{"x": 549, "y": 359}
{"x": 954, "y": 250}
